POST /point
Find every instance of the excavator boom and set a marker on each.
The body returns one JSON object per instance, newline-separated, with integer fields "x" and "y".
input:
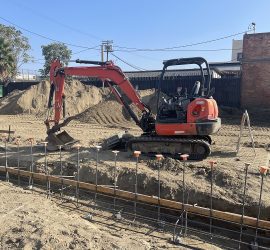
{"x": 107, "y": 72}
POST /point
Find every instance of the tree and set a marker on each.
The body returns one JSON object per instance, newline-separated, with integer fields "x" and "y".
{"x": 7, "y": 61}
{"x": 18, "y": 43}
{"x": 55, "y": 51}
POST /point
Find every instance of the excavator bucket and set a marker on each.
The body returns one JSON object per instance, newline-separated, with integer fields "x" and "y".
{"x": 62, "y": 139}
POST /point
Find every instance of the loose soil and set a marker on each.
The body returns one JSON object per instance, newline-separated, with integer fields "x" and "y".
{"x": 30, "y": 221}
{"x": 106, "y": 118}
{"x": 35, "y": 99}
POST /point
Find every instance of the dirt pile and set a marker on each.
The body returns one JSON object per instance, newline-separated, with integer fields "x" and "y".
{"x": 168, "y": 164}
{"x": 89, "y": 103}
{"x": 34, "y": 100}
{"x": 111, "y": 112}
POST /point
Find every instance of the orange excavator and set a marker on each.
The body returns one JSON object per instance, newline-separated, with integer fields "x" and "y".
{"x": 183, "y": 123}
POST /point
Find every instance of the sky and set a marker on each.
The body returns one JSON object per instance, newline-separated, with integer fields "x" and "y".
{"x": 140, "y": 24}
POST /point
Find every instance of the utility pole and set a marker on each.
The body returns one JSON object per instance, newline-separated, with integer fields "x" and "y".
{"x": 102, "y": 51}
{"x": 107, "y": 46}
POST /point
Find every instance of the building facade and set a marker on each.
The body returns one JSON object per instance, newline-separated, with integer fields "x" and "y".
{"x": 255, "y": 86}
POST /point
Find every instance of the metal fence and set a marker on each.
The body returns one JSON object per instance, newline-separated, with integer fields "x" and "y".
{"x": 227, "y": 88}
{"x": 11, "y": 86}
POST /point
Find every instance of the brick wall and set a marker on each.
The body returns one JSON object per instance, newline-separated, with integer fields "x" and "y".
{"x": 256, "y": 71}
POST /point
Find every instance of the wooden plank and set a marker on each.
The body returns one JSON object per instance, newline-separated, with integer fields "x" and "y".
{"x": 230, "y": 217}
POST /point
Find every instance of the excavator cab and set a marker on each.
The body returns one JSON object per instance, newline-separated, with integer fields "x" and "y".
{"x": 194, "y": 113}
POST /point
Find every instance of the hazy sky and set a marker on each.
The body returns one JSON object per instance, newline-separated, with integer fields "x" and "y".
{"x": 151, "y": 24}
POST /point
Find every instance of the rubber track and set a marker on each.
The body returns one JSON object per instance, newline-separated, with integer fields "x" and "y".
{"x": 192, "y": 155}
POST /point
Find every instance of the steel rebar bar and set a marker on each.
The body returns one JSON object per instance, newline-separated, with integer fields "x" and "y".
{"x": 243, "y": 204}
{"x": 18, "y": 161}
{"x": 159, "y": 157}
{"x": 78, "y": 174}
{"x": 31, "y": 179}
{"x": 98, "y": 147}
{"x": 137, "y": 155}
{"x": 263, "y": 171}
{"x": 61, "y": 171}
{"x": 212, "y": 163}
{"x": 184, "y": 157}
{"x": 114, "y": 181}
{"x": 6, "y": 160}
{"x": 48, "y": 184}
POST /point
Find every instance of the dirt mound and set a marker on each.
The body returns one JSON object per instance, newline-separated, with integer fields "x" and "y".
{"x": 89, "y": 103}
{"x": 168, "y": 164}
{"x": 111, "y": 112}
{"x": 34, "y": 100}
{"x": 106, "y": 112}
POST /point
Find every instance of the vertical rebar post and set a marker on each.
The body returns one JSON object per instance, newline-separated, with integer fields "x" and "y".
{"x": 6, "y": 161}
{"x": 212, "y": 163}
{"x": 31, "y": 179}
{"x": 159, "y": 158}
{"x": 184, "y": 158}
{"x": 61, "y": 170}
{"x": 136, "y": 155}
{"x": 77, "y": 146}
{"x": 98, "y": 147}
{"x": 263, "y": 170}
{"x": 9, "y": 133}
{"x": 114, "y": 181}
{"x": 18, "y": 160}
{"x": 243, "y": 204}
{"x": 48, "y": 184}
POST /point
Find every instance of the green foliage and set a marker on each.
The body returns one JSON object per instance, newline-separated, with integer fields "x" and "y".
{"x": 18, "y": 43}
{"x": 54, "y": 51}
{"x": 7, "y": 61}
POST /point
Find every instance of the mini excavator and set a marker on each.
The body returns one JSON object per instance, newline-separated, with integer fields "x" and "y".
{"x": 183, "y": 123}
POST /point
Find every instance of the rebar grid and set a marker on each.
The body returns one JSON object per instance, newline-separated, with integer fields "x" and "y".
{"x": 198, "y": 227}
{"x": 168, "y": 218}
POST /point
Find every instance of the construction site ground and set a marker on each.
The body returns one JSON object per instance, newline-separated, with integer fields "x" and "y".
{"x": 99, "y": 122}
{"x": 31, "y": 221}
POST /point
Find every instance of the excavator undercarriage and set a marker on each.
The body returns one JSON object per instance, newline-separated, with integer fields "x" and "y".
{"x": 198, "y": 148}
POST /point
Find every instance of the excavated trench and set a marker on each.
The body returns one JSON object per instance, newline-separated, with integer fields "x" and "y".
{"x": 227, "y": 190}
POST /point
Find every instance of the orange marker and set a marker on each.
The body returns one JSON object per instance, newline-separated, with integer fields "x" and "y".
{"x": 212, "y": 163}
{"x": 137, "y": 153}
{"x": 159, "y": 157}
{"x": 263, "y": 170}
{"x": 77, "y": 146}
{"x": 184, "y": 157}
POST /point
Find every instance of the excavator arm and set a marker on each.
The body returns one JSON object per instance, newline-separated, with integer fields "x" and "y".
{"x": 107, "y": 72}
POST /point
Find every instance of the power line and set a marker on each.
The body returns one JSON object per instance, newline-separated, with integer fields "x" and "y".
{"x": 56, "y": 21}
{"x": 172, "y": 50}
{"x": 45, "y": 37}
{"x": 132, "y": 66}
{"x": 93, "y": 48}
{"x": 127, "y": 49}
{"x": 42, "y": 59}
{"x": 250, "y": 27}
{"x": 183, "y": 46}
